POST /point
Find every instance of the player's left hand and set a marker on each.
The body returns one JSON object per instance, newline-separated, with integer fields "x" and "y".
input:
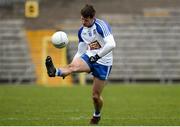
{"x": 93, "y": 59}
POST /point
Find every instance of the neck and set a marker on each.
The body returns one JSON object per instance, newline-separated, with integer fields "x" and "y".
{"x": 92, "y": 23}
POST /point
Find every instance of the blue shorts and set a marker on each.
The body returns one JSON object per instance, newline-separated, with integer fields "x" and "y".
{"x": 98, "y": 70}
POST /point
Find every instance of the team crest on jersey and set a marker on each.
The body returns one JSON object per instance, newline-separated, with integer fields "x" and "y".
{"x": 90, "y": 34}
{"x": 94, "y": 31}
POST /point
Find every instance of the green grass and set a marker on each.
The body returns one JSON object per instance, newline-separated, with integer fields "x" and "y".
{"x": 123, "y": 105}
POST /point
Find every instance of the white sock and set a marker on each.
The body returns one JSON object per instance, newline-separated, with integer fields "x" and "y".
{"x": 96, "y": 115}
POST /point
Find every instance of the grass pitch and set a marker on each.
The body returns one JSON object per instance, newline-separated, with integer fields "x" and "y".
{"x": 123, "y": 105}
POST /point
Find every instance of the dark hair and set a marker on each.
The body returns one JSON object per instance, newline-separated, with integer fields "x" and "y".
{"x": 88, "y": 11}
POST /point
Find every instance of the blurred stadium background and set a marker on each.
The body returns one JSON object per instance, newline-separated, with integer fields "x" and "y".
{"x": 147, "y": 33}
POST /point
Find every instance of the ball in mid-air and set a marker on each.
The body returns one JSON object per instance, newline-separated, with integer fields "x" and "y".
{"x": 59, "y": 39}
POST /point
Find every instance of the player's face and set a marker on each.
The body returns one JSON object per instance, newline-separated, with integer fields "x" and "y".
{"x": 87, "y": 22}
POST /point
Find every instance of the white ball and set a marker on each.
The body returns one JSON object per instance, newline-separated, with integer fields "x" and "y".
{"x": 59, "y": 39}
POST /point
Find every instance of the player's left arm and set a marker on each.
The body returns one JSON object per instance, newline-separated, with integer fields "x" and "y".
{"x": 105, "y": 32}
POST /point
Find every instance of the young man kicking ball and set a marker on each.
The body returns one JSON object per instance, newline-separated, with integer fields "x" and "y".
{"x": 94, "y": 55}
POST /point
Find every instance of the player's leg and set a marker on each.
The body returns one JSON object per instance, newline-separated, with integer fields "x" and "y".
{"x": 98, "y": 86}
{"x": 77, "y": 65}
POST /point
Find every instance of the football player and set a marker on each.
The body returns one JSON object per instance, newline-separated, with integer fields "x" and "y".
{"x": 94, "y": 55}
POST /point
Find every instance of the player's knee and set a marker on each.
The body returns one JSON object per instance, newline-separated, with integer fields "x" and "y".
{"x": 96, "y": 98}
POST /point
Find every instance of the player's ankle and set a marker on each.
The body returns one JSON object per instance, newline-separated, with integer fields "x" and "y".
{"x": 58, "y": 72}
{"x": 97, "y": 114}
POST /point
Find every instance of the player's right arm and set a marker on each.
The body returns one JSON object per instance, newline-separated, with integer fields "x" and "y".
{"x": 82, "y": 46}
{"x": 81, "y": 49}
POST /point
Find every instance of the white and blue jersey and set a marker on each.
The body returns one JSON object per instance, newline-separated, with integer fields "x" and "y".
{"x": 92, "y": 40}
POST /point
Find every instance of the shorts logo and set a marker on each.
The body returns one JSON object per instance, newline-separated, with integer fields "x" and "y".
{"x": 94, "y": 45}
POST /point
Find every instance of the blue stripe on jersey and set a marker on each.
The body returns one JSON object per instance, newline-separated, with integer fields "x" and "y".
{"x": 103, "y": 28}
{"x": 106, "y": 26}
{"x": 109, "y": 27}
{"x": 79, "y": 34}
{"x": 99, "y": 30}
